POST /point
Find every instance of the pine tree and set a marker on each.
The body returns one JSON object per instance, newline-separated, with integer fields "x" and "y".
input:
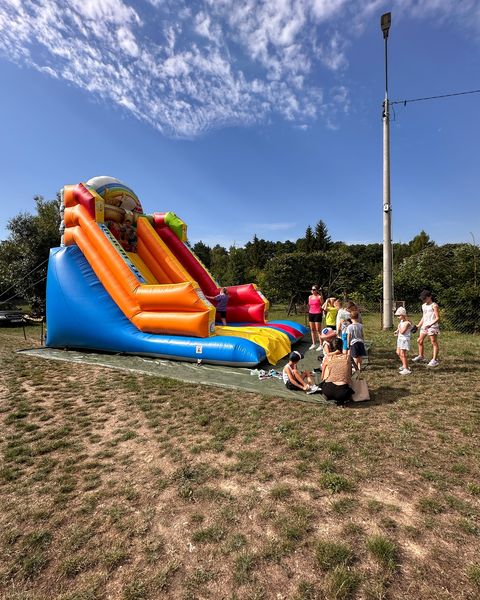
{"x": 323, "y": 241}
{"x": 420, "y": 242}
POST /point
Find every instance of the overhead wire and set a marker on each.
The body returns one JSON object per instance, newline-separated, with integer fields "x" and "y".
{"x": 28, "y": 286}
{"x": 404, "y": 102}
{"x": 19, "y": 280}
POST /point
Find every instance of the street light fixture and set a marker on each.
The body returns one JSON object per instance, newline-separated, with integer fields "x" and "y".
{"x": 385, "y": 23}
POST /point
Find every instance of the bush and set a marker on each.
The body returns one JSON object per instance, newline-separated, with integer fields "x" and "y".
{"x": 461, "y": 308}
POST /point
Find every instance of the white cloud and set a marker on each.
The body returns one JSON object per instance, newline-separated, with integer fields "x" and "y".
{"x": 281, "y": 226}
{"x": 215, "y": 63}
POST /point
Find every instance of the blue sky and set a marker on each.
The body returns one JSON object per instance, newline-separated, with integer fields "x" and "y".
{"x": 247, "y": 116}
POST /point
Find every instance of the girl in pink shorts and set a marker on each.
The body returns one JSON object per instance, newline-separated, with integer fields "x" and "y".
{"x": 428, "y": 326}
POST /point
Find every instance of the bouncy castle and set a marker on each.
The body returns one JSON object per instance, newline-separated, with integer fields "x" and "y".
{"x": 126, "y": 282}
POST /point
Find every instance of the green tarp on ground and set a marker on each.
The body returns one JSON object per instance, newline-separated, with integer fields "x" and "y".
{"x": 228, "y": 377}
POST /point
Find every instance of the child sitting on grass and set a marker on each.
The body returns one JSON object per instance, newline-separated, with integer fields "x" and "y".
{"x": 298, "y": 380}
{"x": 403, "y": 334}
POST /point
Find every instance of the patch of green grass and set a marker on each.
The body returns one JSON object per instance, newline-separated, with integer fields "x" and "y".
{"x": 72, "y": 565}
{"x": 383, "y": 550}
{"x": 295, "y": 523}
{"x": 235, "y": 543}
{"x": 473, "y": 488}
{"x": 111, "y": 558}
{"x": 208, "y": 535}
{"x": 473, "y": 573}
{"x": 430, "y": 506}
{"x": 342, "y": 584}
{"x": 136, "y": 589}
{"x": 374, "y": 506}
{"x": 281, "y": 491}
{"x": 243, "y": 566}
{"x": 248, "y": 461}
{"x": 306, "y": 591}
{"x": 344, "y": 506}
{"x": 332, "y": 554}
{"x": 336, "y": 483}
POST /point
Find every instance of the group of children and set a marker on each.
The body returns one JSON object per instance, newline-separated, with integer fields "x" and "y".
{"x": 343, "y": 333}
{"x": 428, "y": 326}
{"x": 343, "y": 322}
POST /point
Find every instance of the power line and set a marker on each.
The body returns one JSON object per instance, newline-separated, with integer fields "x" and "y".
{"x": 21, "y": 279}
{"x": 404, "y": 102}
{"x": 26, "y": 288}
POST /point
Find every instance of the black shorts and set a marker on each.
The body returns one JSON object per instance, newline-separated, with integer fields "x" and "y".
{"x": 222, "y": 314}
{"x": 339, "y": 393}
{"x": 289, "y": 385}
{"x": 314, "y": 317}
{"x": 358, "y": 349}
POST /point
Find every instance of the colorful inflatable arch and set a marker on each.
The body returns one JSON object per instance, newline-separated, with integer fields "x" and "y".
{"x": 124, "y": 281}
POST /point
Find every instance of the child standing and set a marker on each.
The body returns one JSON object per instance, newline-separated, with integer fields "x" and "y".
{"x": 330, "y": 313}
{"x": 344, "y": 334}
{"x": 342, "y": 315}
{"x": 298, "y": 380}
{"x": 221, "y": 300}
{"x": 428, "y": 326}
{"x": 356, "y": 343}
{"x": 403, "y": 334}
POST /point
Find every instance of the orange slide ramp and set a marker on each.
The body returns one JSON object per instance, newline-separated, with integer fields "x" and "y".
{"x": 151, "y": 287}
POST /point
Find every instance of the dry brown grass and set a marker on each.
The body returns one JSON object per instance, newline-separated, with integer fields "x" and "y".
{"x": 131, "y": 487}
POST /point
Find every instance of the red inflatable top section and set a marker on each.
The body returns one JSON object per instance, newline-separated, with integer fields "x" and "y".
{"x": 78, "y": 194}
{"x": 244, "y": 302}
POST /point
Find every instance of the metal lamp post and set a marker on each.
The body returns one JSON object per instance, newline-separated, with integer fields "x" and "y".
{"x": 385, "y": 23}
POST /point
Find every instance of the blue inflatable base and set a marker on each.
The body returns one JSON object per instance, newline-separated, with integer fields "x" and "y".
{"x": 82, "y": 315}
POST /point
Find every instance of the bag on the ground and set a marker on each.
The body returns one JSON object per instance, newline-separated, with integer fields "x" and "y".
{"x": 360, "y": 390}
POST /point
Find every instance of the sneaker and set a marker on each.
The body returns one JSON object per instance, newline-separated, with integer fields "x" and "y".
{"x": 313, "y": 389}
{"x": 433, "y": 363}
{"x": 313, "y": 346}
{"x": 320, "y": 349}
{"x": 418, "y": 359}
{"x": 400, "y": 368}
{"x": 405, "y": 372}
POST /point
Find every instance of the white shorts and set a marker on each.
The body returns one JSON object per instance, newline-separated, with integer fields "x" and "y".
{"x": 431, "y": 329}
{"x": 403, "y": 344}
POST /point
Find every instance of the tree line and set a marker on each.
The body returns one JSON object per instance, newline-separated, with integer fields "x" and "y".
{"x": 282, "y": 270}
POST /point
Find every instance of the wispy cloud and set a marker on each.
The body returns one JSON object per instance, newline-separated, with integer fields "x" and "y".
{"x": 204, "y": 64}
{"x": 259, "y": 227}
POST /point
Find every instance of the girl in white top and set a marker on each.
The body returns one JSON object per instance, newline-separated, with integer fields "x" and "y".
{"x": 428, "y": 326}
{"x": 403, "y": 334}
{"x": 295, "y": 379}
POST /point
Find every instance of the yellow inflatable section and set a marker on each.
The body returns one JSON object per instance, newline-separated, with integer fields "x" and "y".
{"x": 275, "y": 343}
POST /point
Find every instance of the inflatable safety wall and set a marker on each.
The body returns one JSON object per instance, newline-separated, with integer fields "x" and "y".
{"x": 124, "y": 281}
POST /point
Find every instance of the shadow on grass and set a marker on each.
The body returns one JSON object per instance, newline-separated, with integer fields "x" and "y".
{"x": 382, "y": 395}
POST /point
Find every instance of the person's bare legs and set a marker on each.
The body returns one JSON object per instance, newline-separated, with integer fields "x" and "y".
{"x": 421, "y": 344}
{"x": 312, "y": 331}
{"x": 399, "y": 354}
{"x": 403, "y": 357}
{"x": 433, "y": 339}
{"x": 317, "y": 329}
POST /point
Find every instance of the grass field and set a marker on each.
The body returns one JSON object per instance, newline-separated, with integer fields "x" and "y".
{"x": 132, "y": 487}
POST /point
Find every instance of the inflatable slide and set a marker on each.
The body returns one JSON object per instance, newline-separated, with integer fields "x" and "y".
{"x": 123, "y": 281}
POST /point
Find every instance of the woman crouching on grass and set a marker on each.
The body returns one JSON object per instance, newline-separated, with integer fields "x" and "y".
{"x": 298, "y": 380}
{"x": 337, "y": 374}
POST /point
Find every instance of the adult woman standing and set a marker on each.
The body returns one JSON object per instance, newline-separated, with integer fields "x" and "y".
{"x": 315, "y": 310}
{"x": 337, "y": 374}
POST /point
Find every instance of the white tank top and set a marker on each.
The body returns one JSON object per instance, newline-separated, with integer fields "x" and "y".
{"x": 428, "y": 314}
{"x": 285, "y": 374}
